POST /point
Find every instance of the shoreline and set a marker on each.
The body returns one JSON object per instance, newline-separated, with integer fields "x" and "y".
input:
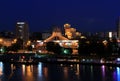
{"x": 31, "y": 58}
{"x": 63, "y": 62}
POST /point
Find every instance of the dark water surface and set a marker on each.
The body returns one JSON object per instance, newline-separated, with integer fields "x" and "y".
{"x": 57, "y": 72}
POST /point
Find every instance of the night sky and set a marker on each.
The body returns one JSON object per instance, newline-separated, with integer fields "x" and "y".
{"x": 41, "y": 15}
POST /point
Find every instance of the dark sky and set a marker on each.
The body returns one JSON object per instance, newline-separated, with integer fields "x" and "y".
{"x": 41, "y": 15}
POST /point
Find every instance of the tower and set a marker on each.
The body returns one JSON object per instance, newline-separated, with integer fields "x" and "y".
{"x": 22, "y": 32}
{"x": 118, "y": 28}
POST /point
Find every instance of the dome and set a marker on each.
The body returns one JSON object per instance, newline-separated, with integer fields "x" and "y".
{"x": 67, "y": 25}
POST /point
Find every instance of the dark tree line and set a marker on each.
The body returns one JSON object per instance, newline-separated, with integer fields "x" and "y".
{"x": 97, "y": 47}
{"x": 57, "y": 49}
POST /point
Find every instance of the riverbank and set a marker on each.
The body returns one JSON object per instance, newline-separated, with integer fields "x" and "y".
{"x": 32, "y": 58}
{"x": 63, "y": 62}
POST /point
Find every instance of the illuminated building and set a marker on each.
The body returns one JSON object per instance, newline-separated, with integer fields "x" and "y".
{"x": 70, "y": 32}
{"x": 6, "y": 41}
{"x": 57, "y": 37}
{"x": 110, "y": 34}
{"x": 22, "y": 31}
{"x": 56, "y": 34}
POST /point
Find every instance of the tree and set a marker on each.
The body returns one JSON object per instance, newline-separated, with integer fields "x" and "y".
{"x": 29, "y": 48}
{"x": 53, "y": 47}
{"x": 15, "y": 47}
{"x": 50, "y": 46}
{"x": 84, "y": 47}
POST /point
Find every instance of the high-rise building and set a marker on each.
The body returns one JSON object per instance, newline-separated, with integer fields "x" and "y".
{"x": 118, "y": 28}
{"x": 22, "y": 31}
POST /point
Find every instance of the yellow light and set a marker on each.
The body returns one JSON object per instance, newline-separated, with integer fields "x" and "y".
{"x": 78, "y": 34}
{"x": 67, "y": 25}
{"x": 83, "y": 37}
{"x": 15, "y": 40}
{"x": 105, "y": 42}
{"x": 1, "y": 40}
{"x": 29, "y": 42}
{"x": 73, "y": 30}
{"x": 88, "y": 42}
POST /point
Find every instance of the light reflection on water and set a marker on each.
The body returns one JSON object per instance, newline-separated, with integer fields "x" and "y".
{"x": 1, "y": 68}
{"x": 118, "y": 73}
{"x": 78, "y": 70}
{"x": 91, "y": 72}
{"x": 40, "y": 69}
{"x": 58, "y": 72}
{"x": 23, "y": 69}
{"x": 103, "y": 72}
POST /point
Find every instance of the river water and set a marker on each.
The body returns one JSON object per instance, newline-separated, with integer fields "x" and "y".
{"x": 58, "y": 72}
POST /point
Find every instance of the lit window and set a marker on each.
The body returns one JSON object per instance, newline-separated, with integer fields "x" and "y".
{"x": 20, "y": 26}
{"x": 20, "y": 22}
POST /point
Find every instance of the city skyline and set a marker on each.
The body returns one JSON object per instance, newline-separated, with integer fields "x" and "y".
{"x": 85, "y": 16}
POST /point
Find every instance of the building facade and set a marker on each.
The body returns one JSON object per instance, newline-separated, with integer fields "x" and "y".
{"x": 22, "y": 31}
{"x": 118, "y": 28}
